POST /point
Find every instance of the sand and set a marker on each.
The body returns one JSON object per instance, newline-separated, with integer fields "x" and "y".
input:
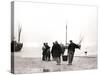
{"x": 35, "y": 65}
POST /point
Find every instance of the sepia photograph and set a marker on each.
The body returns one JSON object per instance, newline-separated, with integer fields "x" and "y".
{"x": 53, "y": 37}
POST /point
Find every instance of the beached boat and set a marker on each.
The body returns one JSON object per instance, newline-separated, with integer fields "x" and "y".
{"x": 16, "y": 46}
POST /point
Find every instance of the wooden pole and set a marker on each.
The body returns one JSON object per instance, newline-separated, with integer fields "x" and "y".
{"x": 19, "y": 33}
{"x": 66, "y": 34}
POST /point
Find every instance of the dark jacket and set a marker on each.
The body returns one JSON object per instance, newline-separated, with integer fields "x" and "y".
{"x": 56, "y": 50}
{"x": 72, "y": 47}
{"x": 47, "y": 50}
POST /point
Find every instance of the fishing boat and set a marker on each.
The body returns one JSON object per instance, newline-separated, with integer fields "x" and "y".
{"x": 16, "y": 46}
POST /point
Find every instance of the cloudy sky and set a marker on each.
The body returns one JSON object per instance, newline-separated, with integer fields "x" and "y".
{"x": 42, "y": 22}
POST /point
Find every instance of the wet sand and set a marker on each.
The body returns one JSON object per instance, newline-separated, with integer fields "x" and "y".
{"x": 35, "y": 65}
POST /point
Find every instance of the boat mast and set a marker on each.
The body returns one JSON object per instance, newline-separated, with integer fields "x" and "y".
{"x": 66, "y": 34}
{"x": 19, "y": 33}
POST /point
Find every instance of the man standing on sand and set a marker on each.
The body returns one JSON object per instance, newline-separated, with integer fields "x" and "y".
{"x": 43, "y": 52}
{"x": 47, "y": 52}
{"x": 57, "y": 51}
{"x": 53, "y": 51}
{"x": 71, "y": 51}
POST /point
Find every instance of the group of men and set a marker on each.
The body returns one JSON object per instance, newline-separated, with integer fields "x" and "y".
{"x": 58, "y": 50}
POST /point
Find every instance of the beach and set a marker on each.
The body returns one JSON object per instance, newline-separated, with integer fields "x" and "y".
{"x": 29, "y": 65}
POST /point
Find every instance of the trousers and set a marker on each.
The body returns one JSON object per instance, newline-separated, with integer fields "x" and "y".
{"x": 70, "y": 56}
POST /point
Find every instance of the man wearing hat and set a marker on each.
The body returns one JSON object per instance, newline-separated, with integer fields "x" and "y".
{"x": 71, "y": 51}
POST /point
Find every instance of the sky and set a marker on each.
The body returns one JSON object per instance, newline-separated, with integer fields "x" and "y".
{"x": 43, "y": 22}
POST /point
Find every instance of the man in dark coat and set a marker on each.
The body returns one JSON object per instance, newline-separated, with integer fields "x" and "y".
{"x": 71, "y": 50}
{"x": 56, "y": 52}
{"x": 47, "y": 52}
{"x": 43, "y": 52}
{"x": 53, "y": 51}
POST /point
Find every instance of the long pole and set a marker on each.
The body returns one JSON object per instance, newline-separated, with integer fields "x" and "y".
{"x": 66, "y": 34}
{"x": 19, "y": 33}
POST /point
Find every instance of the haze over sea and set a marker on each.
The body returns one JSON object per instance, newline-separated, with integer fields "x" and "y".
{"x": 35, "y": 52}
